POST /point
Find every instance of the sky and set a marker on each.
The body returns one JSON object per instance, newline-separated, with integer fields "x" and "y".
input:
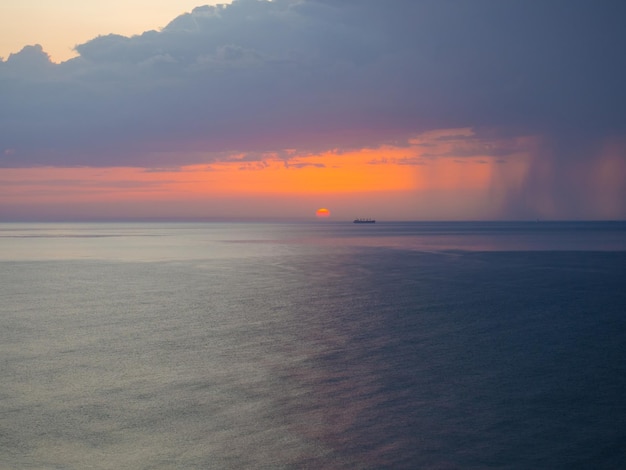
{"x": 394, "y": 110}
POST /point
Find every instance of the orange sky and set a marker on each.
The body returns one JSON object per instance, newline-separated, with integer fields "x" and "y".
{"x": 59, "y": 26}
{"x": 386, "y": 183}
{"x": 441, "y": 175}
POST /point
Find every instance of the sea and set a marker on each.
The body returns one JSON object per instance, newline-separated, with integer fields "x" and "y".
{"x": 313, "y": 345}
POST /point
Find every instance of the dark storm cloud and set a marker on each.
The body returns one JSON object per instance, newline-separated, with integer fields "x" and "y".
{"x": 258, "y": 76}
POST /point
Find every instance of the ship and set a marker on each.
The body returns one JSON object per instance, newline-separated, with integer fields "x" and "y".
{"x": 364, "y": 221}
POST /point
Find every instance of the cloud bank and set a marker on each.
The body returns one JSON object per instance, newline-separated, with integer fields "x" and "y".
{"x": 313, "y": 75}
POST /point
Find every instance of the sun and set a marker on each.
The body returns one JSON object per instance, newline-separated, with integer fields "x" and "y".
{"x": 321, "y": 213}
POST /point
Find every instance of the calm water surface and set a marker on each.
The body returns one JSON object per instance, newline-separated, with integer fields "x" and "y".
{"x": 326, "y": 345}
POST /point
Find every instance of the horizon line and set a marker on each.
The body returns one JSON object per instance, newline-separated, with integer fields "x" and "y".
{"x": 288, "y": 220}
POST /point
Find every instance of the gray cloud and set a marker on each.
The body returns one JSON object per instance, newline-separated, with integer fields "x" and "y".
{"x": 258, "y": 76}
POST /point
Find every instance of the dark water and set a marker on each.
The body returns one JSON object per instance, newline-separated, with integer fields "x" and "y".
{"x": 156, "y": 346}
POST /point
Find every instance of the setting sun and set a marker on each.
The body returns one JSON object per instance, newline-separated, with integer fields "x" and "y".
{"x": 322, "y": 213}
